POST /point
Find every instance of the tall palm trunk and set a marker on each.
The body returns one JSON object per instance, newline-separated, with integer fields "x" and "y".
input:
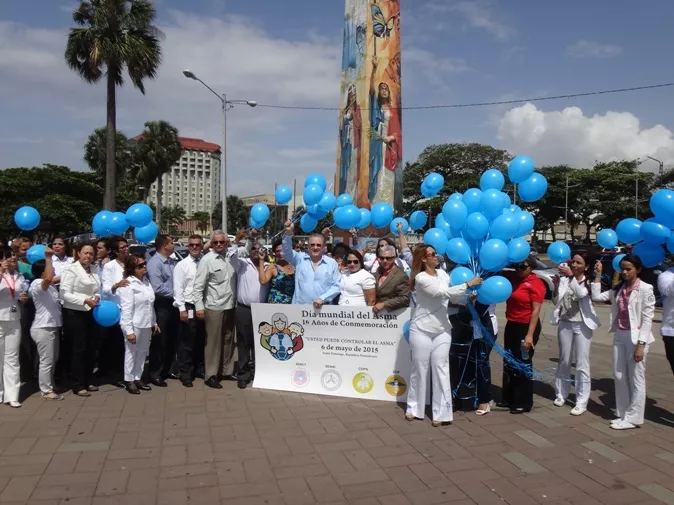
{"x": 160, "y": 194}
{"x": 109, "y": 200}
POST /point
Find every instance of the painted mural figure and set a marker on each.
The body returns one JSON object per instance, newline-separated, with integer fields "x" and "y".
{"x": 350, "y": 139}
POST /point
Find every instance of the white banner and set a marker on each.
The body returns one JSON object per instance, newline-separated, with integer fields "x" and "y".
{"x": 339, "y": 351}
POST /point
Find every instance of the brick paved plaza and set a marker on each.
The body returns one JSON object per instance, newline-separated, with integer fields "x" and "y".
{"x": 204, "y": 446}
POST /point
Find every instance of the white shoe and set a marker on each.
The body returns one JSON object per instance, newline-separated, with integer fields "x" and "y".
{"x": 14, "y": 405}
{"x": 576, "y": 411}
{"x": 559, "y": 402}
{"x": 613, "y": 421}
{"x": 623, "y": 425}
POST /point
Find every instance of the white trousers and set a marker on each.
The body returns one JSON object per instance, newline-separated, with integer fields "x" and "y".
{"x": 574, "y": 341}
{"x": 430, "y": 350}
{"x": 135, "y": 354}
{"x": 10, "y": 341}
{"x": 47, "y": 342}
{"x": 629, "y": 378}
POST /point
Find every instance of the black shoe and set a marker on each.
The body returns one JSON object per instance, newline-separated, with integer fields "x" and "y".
{"x": 119, "y": 384}
{"x": 231, "y": 377}
{"x": 242, "y": 384}
{"x": 503, "y": 405}
{"x": 92, "y": 388}
{"x": 200, "y": 374}
{"x": 159, "y": 382}
{"x": 519, "y": 410}
{"x": 174, "y": 376}
{"x": 131, "y": 388}
{"x": 187, "y": 383}
{"x": 214, "y": 383}
{"x": 142, "y": 386}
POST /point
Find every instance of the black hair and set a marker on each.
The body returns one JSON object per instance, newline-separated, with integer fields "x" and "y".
{"x": 263, "y": 323}
{"x": 276, "y": 243}
{"x": 195, "y": 237}
{"x": 38, "y": 268}
{"x": 162, "y": 240}
{"x": 357, "y": 255}
{"x": 637, "y": 263}
{"x": 6, "y": 252}
{"x": 115, "y": 241}
{"x": 341, "y": 250}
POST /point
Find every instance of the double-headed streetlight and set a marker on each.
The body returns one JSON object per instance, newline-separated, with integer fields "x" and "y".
{"x": 226, "y": 105}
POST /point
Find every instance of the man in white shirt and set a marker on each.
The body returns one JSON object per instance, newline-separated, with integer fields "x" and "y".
{"x": 666, "y": 289}
{"x": 111, "y": 360}
{"x": 246, "y": 262}
{"x": 191, "y": 335}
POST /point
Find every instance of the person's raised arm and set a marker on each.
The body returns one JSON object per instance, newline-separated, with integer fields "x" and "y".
{"x": 265, "y": 275}
{"x": 287, "y": 244}
{"x": 48, "y": 275}
{"x": 597, "y": 295}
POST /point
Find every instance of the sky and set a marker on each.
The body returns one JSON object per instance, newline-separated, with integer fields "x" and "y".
{"x": 289, "y": 53}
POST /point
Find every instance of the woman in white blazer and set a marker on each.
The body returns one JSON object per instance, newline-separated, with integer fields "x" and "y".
{"x": 80, "y": 292}
{"x": 138, "y": 321}
{"x": 576, "y": 320}
{"x": 633, "y": 306}
{"x": 430, "y": 335}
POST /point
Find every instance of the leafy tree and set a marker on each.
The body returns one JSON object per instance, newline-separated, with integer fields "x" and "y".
{"x": 203, "y": 220}
{"x": 172, "y": 217}
{"x": 237, "y": 214}
{"x": 158, "y": 149}
{"x": 112, "y": 36}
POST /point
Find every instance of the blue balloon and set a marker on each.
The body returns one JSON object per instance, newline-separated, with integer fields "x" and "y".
{"x": 495, "y": 289}
{"x": 348, "y": 217}
{"x": 283, "y": 195}
{"x": 138, "y": 215}
{"x": 35, "y": 253}
{"x": 533, "y": 188}
{"x": 494, "y": 255}
{"x": 146, "y": 233}
{"x": 662, "y": 205}
{"x": 365, "y": 219}
{"x": 461, "y": 275}
{"x": 101, "y": 222}
{"x": 406, "y": 331}
{"x": 316, "y": 179}
{"x": 607, "y": 238}
{"x": 520, "y": 169}
{"x": 514, "y": 208}
{"x": 654, "y": 233}
{"x": 504, "y": 227}
{"x": 559, "y": 252}
{"x": 506, "y": 200}
{"x": 436, "y": 238}
{"x": 382, "y": 213}
{"x": 525, "y": 223}
{"x": 651, "y": 255}
{"x": 260, "y": 213}
{"x": 455, "y": 196}
{"x": 670, "y": 243}
{"x": 455, "y": 213}
{"x": 629, "y": 230}
{"x": 442, "y": 224}
{"x": 107, "y": 313}
{"x": 472, "y": 199}
{"x": 254, "y": 224}
{"x": 308, "y": 223}
{"x": 27, "y": 218}
{"x": 518, "y": 250}
{"x": 312, "y": 194}
{"x": 394, "y": 225}
{"x": 458, "y": 251}
{"x": 344, "y": 199}
{"x": 616, "y": 262}
{"x": 492, "y": 204}
{"x": 418, "y": 219}
{"x": 118, "y": 224}
{"x": 327, "y": 202}
{"x": 492, "y": 179}
{"x": 434, "y": 182}
{"x": 477, "y": 225}
{"x": 316, "y": 212}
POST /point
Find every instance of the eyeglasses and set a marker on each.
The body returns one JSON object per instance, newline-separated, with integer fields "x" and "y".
{"x": 218, "y": 242}
{"x": 141, "y": 265}
{"x": 352, "y": 262}
{"x": 431, "y": 254}
{"x": 522, "y": 266}
{"x": 386, "y": 258}
{"x": 193, "y": 246}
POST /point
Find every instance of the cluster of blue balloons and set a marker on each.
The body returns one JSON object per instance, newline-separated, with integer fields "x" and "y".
{"x": 139, "y": 215}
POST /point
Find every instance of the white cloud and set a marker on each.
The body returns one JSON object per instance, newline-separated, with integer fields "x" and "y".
{"x": 593, "y": 49}
{"x": 569, "y": 137}
{"x": 478, "y": 14}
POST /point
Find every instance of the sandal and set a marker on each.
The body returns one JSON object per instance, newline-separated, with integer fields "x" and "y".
{"x": 52, "y": 396}
{"x": 83, "y": 392}
{"x": 409, "y": 417}
{"x": 92, "y": 388}
{"x": 484, "y": 412}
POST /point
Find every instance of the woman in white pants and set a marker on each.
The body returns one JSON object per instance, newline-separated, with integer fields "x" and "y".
{"x": 46, "y": 328}
{"x": 138, "y": 321}
{"x": 430, "y": 335}
{"x": 12, "y": 291}
{"x": 633, "y": 306}
{"x": 576, "y": 320}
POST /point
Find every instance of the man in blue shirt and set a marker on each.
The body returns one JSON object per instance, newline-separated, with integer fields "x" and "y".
{"x": 316, "y": 275}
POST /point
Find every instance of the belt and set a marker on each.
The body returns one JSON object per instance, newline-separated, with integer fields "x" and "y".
{"x": 243, "y": 305}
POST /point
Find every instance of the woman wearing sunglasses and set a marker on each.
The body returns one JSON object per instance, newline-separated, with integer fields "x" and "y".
{"x": 138, "y": 321}
{"x": 520, "y": 336}
{"x": 356, "y": 286}
{"x": 430, "y": 335}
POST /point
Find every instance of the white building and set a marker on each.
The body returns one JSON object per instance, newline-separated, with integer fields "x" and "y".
{"x": 194, "y": 182}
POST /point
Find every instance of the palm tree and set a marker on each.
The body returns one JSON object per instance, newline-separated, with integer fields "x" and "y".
{"x": 95, "y": 151}
{"x": 172, "y": 218}
{"x": 158, "y": 149}
{"x": 111, "y": 36}
{"x": 203, "y": 220}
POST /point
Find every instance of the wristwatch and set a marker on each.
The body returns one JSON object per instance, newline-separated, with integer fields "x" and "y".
{"x": 641, "y": 342}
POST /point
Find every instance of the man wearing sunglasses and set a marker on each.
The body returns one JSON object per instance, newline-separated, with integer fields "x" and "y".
{"x": 392, "y": 283}
{"x": 316, "y": 275}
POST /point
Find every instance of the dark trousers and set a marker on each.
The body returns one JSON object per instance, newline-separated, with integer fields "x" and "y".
{"x": 27, "y": 351}
{"x": 163, "y": 346}
{"x": 469, "y": 366}
{"x": 111, "y": 356}
{"x": 518, "y": 387}
{"x": 244, "y": 342}
{"x": 190, "y": 347}
{"x": 83, "y": 333}
{"x": 669, "y": 350}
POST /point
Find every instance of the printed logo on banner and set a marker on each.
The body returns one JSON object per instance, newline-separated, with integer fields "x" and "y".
{"x": 362, "y": 383}
{"x": 281, "y": 339}
{"x": 331, "y": 380}
{"x": 300, "y": 377}
{"x": 395, "y": 385}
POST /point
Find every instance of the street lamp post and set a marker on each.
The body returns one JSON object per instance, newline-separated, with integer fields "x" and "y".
{"x": 226, "y": 105}
{"x": 661, "y": 170}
